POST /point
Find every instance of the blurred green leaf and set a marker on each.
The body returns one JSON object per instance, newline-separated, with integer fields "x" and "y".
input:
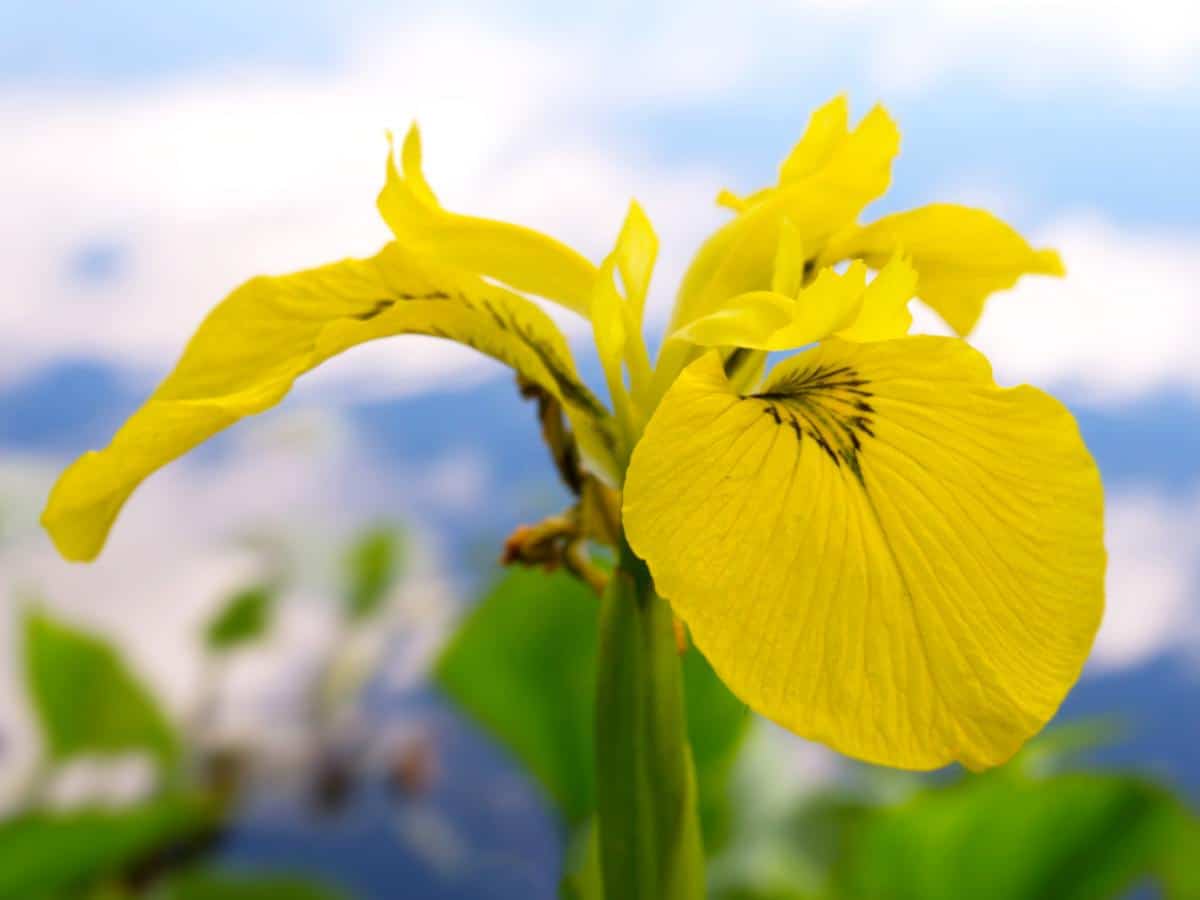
{"x": 523, "y": 665}
{"x": 766, "y": 893}
{"x": 373, "y": 564}
{"x": 998, "y": 837}
{"x": 718, "y": 723}
{"x": 86, "y": 699}
{"x": 207, "y": 884}
{"x": 582, "y": 879}
{"x": 1181, "y": 866}
{"x": 243, "y": 619}
{"x": 1054, "y": 748}
{"x": 46, "y": 854}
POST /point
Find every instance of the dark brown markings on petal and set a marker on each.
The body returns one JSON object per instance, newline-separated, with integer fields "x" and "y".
{"x": 573, "y": 391}
{"x": 829, "y": 405}
{"x": 381, "y": 306}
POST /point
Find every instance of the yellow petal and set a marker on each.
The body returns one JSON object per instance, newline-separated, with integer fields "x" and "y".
{"x": 747, "y": 321}
{"x": 764, "y": 320}
{"x": 880, "y": 550}
{"x": 519, "y": 257}
{"x": 790, "y": 260}
{"x": 740, "y": 256}
{"x": 252, "y": 347}
{"x": 827, "y": 129}
{"x": 884, "y": 314}
{"x": 861, "y": 165}
{"x": 961, "y": 255}
{"x": 730, "y": 200}
{"x": 636, "y": 252}
{"x": 608, "y": 329}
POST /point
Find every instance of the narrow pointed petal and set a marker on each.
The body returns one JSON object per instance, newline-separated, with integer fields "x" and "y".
{"x": 962, "y": 256}
{"x": 245, "y": 356}
{"x": 790, "y": 260}
{"x": 636, "y": 252}
{"x": 880, "y": 550}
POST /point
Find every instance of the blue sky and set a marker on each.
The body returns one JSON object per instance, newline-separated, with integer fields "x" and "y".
{"x": 158, "y": 154}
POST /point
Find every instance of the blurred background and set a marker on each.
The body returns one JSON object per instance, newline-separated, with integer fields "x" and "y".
{"x": 277, "y": 607}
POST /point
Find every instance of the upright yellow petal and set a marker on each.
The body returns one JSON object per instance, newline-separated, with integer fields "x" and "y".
{"x": 883, "y": 313}
{"x": 861, "y": 165}
{"x": 961, "y": 254}
{"x": 519, "y": 257}
{"x": 827, "y": 130}
{"x": 880, "y": 550}
{"x": 252, "y": 347}
{"x": 609, "y": 320}
{"x": 636, "y": 252}
{"x": 790, "y": 261}
{"x": 740, "y": 256}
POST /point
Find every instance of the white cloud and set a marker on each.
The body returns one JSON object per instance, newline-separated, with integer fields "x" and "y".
{"x": 1026, "y": 44}
{"x": 1153, "y": 583}
{"x": 915, "y": 45}
{"x": 193, "y": 186}
{"x": 1114, "y": 330}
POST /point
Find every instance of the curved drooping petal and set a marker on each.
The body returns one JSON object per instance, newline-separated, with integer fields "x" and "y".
{"x": 880, "y": 550}
{"x": 251, "y": 348}
{"x": 961, "y": 254}
{"x": 519, "y": 257}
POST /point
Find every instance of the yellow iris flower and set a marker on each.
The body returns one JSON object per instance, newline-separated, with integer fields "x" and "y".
{"x": 874, "y": 545}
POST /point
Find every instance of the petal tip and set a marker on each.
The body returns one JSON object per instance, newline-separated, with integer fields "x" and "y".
{"x": 1049, "y": 262}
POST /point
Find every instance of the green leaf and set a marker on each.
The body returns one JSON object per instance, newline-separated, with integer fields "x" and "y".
{"x": 243, "y": 619}
{"x": 62, "y": 854}
{"x": 86, "y": 699}
{"x": 206, "y": 884}
{"x": 1181, "y": 865}
{"x": 374, "y": 563}
{"x": 582, "y": 879}
{"x": 999, "y": 837}
{"x": 718, "y": 723}
{"x": 523, "y": 666}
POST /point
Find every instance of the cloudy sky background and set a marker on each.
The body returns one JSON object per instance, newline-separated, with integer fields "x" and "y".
{"x": 155, "y": 155}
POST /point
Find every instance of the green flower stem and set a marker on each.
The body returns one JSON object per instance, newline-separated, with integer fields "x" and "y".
{"x": 649, "y": 829}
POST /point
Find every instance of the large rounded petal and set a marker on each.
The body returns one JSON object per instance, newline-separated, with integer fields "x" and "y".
{"x": 881, "y": 550}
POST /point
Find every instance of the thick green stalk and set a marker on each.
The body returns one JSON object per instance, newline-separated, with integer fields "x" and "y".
{"x": 649, "y": 830}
